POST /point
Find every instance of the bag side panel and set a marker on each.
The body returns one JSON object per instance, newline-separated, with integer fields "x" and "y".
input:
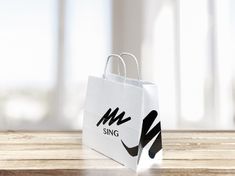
{"x": 150, "y": 141}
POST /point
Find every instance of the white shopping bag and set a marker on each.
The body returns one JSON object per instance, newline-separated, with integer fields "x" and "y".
{"x": 121, "y": 119}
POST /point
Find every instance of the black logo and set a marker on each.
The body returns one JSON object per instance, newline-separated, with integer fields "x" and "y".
{"x": 146, "y": 134}
{"x": 107, "y": 116}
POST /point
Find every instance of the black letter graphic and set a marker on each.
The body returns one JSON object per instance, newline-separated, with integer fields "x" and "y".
{"x": 147, "y": 136}
{"x": 112, "y": 118}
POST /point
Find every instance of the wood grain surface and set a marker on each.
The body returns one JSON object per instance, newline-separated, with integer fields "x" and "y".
{"x": 62, "y": 153}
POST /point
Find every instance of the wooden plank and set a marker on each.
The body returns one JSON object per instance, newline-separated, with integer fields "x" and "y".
{"x": 40, "y": 137}
{"x": 109, "y": 167}
{"x": 198, "y": 146}
{"x": 75, "y": 137}
{"x": 59, "y": 164}
{"x": 36, "y": 147}
{"x": 111, "y": 164}
{"x": 65, "y": 152}
{"x": 117, "y": 172}
{"x": 166, "y": 146}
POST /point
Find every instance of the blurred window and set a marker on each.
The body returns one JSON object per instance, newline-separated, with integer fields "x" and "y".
{"x": 48, "y": 48}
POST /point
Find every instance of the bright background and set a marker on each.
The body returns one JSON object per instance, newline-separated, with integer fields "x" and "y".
{"x": 49, "y": 47}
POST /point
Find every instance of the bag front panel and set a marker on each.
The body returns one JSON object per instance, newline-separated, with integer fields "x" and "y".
{"x": 112, "y": 117}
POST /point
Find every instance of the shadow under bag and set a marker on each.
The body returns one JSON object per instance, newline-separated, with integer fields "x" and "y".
{"x": 121, "y": 118}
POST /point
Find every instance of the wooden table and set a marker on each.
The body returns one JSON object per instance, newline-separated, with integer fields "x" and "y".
{"x": 61, "y": 153}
